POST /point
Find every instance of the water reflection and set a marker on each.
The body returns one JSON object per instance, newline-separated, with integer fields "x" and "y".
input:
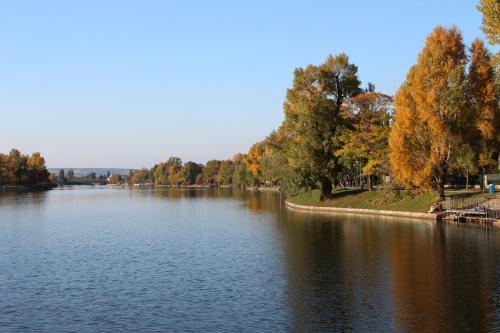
{"x": 234, "y": 260}
{"x": 366, "y": 274}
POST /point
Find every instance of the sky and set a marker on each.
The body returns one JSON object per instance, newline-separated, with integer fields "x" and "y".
{"x": 130, "y": 83}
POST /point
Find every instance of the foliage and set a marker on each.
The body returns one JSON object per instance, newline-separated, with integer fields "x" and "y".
{"x": 430, "y": 112}
{"x": 464, "y": 160}
{"x": 484, "y": 136}
{"x": 369, "y": 116}
{"x": 313, "y": 122}
{"x": 17, "y": 169}
{"x": 211, "y": 172}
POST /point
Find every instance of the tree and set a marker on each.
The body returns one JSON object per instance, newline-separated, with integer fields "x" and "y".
{"x": 70, "y": 174}
{"x": 241, "y": 176}
{"x": 210, "y": 172}
{"x": 273, "y": 165}
{"x": 430, "y": 112}
{"x": 37, "y": 171}
{"x": 160, "y": 174}
{"x": 464, "y": 160}
{"x": 174, "y": 165}
{"x": 491, "y": 27}
{"x": 225, "y": 175}
{"x": 115, "y": 178}
{"x": 253, "y": 158}
{"x": 313, "y": 122}
{"x": 189, "y": 172}
{"x": 485, "y": 116}
{"x": 61, "y": 177}
{"x": 140, "y": 177}
{"x": 366, "y": 141}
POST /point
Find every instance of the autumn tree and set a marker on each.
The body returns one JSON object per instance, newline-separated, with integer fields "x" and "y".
{"x": 37, "y": 171}
{"x": 17, "y": 169}
{"x": 274, "y": 162}
{"x": 430, "y": 112}
{"x": 190, "y": 172}
{"x": 491, "y": 27}
{"x": 225, "y": 175}
{"x": 210, "y": 172}
{"x": 313, "y": 121}
{"x": 174, "y": 166}
{"x": 159, "y": 172}
{"x": 485, "y": 116}
{"x": 253, "y": 158}
{"x": 366, "y": 140}
{"x": 140, "y": 177}
{"x": 115, "y": 178}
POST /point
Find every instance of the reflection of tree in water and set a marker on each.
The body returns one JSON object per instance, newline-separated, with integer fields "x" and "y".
{"x": 350, "y": 273}
{"x": 443, "y": 279}
{"x": 333, "y": 283}
{"x": 21, "y": 197}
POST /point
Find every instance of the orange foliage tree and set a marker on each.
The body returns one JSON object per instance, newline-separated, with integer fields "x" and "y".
{"x": 483, "y": 105}
{"x": 430, "y": 111}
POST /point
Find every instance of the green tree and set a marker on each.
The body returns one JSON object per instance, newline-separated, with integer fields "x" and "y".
{"x": 225, "y": 175}
{"x": 464, "y": 160}
{"x": 313, "y": 122}
{"x": 210, "y": 172}
{"x": 366, "y": 141}
{"x": 160, "y": 174}
{"x": 61, "y": 177}
{"x": 70, "y": 174}
{"x": 37, "y": 171}
{"x": 174, "y": 166}
{"x": 189, "y": 172}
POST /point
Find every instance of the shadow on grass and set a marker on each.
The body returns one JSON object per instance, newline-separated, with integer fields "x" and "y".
{"x": 343, "y": 193}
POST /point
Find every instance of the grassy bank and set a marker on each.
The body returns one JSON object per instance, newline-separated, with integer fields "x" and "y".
{"x": 383, "y": 199}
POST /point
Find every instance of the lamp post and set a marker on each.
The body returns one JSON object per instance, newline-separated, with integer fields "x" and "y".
{"x": 358, "y": 164}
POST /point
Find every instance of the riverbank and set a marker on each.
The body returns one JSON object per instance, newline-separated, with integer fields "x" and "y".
{"x": 358, "y": 211}
{"x": 36, "y": 187}
{"x": 379, "y": 202}
{"x": 383, "y": 199}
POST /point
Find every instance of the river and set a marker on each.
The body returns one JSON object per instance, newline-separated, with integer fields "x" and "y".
{"x": 105, "y": 259}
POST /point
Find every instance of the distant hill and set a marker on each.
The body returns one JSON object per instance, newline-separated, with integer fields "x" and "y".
{"x": 79, "y": 172}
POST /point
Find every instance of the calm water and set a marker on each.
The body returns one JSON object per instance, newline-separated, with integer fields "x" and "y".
{"x": 115, "y": 260}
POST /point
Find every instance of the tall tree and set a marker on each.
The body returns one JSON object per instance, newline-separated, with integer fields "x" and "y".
{"x": 313, "y": 121}
{"x": 485, "y": 116}
{"x": 366, "y": 141}
{"x": 430, "y": 112}
{"x": 210, "y": 172}
{"x": 225, "y": 175}
{"x": 190, "y": 172}
{"x": 464, "y": 160}
{"x": 491, "y": 27}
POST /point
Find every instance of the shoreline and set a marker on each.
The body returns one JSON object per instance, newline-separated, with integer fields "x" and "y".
{"x": 361, "y": 211}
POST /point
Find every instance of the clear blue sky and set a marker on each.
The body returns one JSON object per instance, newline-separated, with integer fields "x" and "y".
{"x": 130, "y": 83}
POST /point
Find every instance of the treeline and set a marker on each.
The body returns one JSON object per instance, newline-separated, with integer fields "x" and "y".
{"x": 17, "y": 169}
{"x": 445, "y": 120}
{"x": 174, "y": 172}
{"x": 69, "y": 178}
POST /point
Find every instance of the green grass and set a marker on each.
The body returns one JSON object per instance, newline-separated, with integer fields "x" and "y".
{"x": 384, "y": 199}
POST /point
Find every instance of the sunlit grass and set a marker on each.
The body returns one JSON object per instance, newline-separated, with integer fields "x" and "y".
{"x": 384, "y": 199}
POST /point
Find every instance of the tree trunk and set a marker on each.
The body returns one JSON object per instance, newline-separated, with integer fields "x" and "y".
{"x": 326, "y": 190}
{"x": 370, "y": 186}
{"x": 467, "y": 180}
{"x": 440, "y": 187}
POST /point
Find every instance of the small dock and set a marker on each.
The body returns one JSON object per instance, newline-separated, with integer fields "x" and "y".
{"x": 472, "y": 210}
